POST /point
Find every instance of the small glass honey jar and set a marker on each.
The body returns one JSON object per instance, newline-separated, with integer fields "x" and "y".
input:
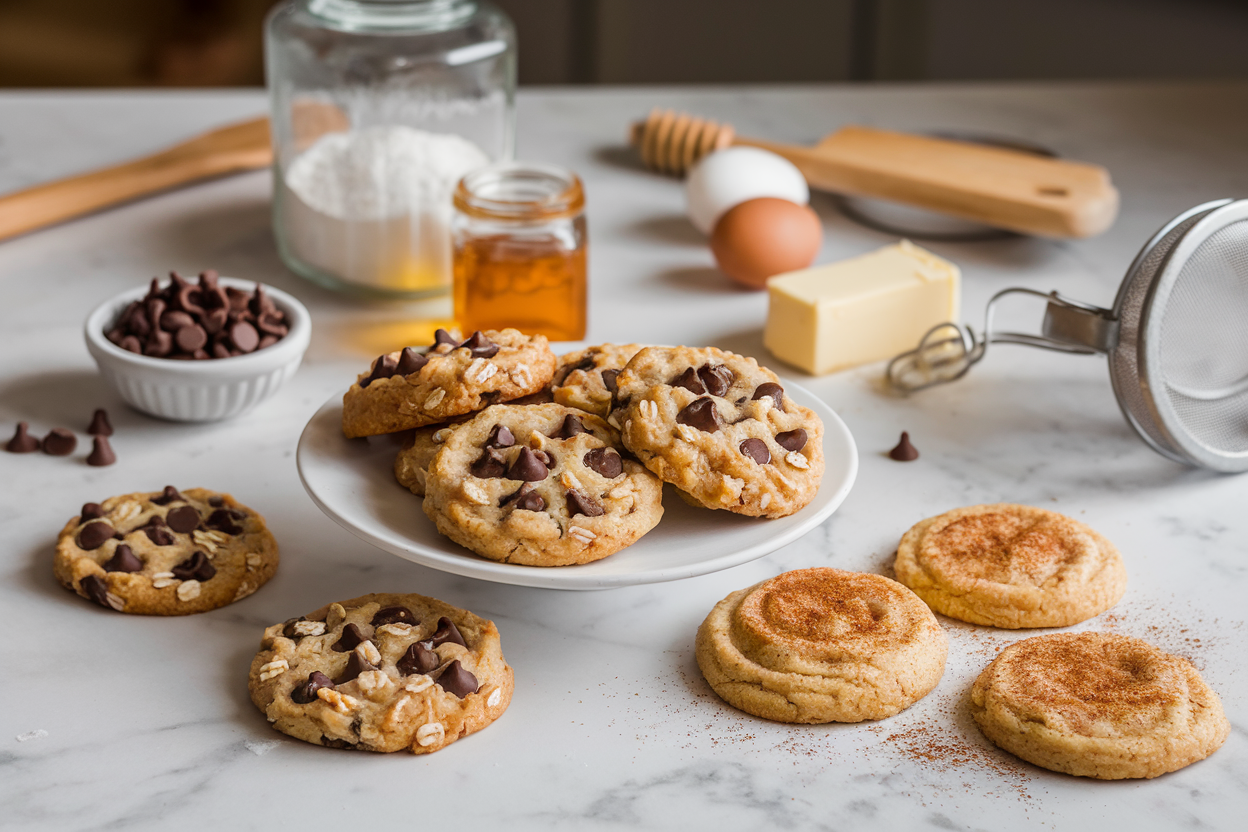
{"x": 519, "y": 250}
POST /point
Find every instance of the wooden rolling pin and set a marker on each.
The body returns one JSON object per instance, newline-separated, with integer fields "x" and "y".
{"x": 1003, "y": 188}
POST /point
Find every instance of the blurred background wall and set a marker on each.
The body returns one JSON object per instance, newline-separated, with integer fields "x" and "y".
{"x": 94, "y": 43}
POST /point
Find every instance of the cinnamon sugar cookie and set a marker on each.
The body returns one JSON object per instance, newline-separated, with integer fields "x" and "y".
{"x": 1011, "y": 566}
{"x": 1098, "y": 705}
{"x": 822, "y": 645}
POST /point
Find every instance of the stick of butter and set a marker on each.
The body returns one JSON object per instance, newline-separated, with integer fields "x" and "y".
{"x": 865, "y": 309}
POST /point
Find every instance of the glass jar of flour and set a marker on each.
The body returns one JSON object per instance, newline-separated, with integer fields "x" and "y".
{"x": 378, "y": 108}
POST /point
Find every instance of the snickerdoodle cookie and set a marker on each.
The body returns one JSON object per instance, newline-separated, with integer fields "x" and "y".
{"x": 1098, "y": 705}
{"x": 1011, "y": 566}
{"x": 822, "y": 645}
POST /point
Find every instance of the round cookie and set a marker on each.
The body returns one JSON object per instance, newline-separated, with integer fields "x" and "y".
{"x": 411, "y": 464}
{"x": 539, "y": 485}
{"x": 1098, "y": 705}
{"x": 382, "y": 672}
{"x": 585, "y": 379}
{"x": 822, "y": 645}
{"x": 165, "y": 553}
{"x": 1011, "y": 566}
{"x": 719, "y": 427}
{"x": 408, "y": 389}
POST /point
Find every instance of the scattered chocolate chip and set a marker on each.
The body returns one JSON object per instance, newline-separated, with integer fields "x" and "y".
{"x": 356, "y": 665}
{"x": 159, "y": 344}
{"x": 244, "y": 336}
{"x": 480, "y": 346}
{"x": 183, "y": 519}
{"x": 489, "y": 465}
{"x": 216, "y": 501}
{"x": 455, "y": 679}
{"x": 410, "y": 362}
{"x": 775, "y": 391}
{"x": 529, "y": 500}
{"x": 22, "y": 442}
{"x": 717, "y": 378}
{"x": 571, "y": 427}
{"x": 546, "y": 458}
{"x": 101, "y": 452}
{"x": 756, "y": 449}
{"x": 195, "y": 568}
{"x": 98, "y": 592}
{"x": 690, "y": 381}
{"x": 159, "y": 535}
{"x": 500, "y": 437}
{"x": 393, "y": 615}
{"x": 904, "y": 452}
{"x": 384, "y": 367}
{"x": 792, "y": 440}
{"x": 100, "y": 426}
{"x": 701, "y": 414}
{"x": 524, "y": 490}
{"x": 60, "y": 442}
{"x": 131, "y": 344}
{"x": 175, "y": 319}
{"x": 93, "y": 535}
{"x": 306, "y": 693}
{"x": 123, "y": 560}
{"x": 222, "y": 520}
{"x": 169, "y": 495}
{"x": 578, "y": 503}
{"x": 608, "y": 380}
{"x": 191, "y": 338}
{"x": 447, "y": 633}
{"x": 605, "y": 462}
{"x": 289, "y": 629}
{"x": 220, "y": 351}
{"x": 419, "y": 658}
{"x": 351, "y": 637}
{"x": 90, "y": 511}
{"x": 527, "y": 468}
{"x": 336, "y": 742}
{"x": 441, "y": 337}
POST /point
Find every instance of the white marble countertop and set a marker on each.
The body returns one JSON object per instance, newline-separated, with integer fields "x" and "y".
{"x": 148, "y": 723}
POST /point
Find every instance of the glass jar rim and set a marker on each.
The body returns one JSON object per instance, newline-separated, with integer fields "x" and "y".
{"x": 520, "y": 191}
{"x": 392, "y": 15}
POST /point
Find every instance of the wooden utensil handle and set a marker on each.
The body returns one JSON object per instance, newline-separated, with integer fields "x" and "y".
{"x": 1003, "y": 188}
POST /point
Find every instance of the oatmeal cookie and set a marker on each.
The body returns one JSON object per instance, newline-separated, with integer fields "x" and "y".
{"x": 382, "y": 672}
{"x": 585, "y": 379}
{"x": 165, "y": 552}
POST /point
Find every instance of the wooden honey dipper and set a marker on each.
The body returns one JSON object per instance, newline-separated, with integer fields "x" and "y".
{"x": 1009, "y": 189}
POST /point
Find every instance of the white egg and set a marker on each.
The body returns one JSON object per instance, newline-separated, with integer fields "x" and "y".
{"x": 726, "y": 178}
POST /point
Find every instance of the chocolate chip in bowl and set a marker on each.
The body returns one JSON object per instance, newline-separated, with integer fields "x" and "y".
{"x": 198, "y": 351}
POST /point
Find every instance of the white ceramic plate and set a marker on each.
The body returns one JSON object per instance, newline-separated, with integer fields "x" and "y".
{"x": 352, "y": 481}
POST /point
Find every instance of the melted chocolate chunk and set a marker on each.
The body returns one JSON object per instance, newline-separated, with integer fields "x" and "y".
{"x": 717, "y": 378}
{"x": 90, "y": 511}
{"x": 419, "y": 658}
{"x": 455, "y": 679}
{"x": 93, "y": 535}
{"x": 306, "y": 693}
{"x": 571, "y": 427}
{"x": 604, "y": 462}
{"x": 355, "y": 666}
{"x": 351, "y": 637}
{"x": 578, "y": 503}
{"x": 410, "y": 362}
{"x": 527, "y": 468}
{"x": 101, "y": 452}
{"x": 480, "y": 346}
{"x": 393, "y": 615}
{"x": 22, "y": 442}
{"x": 701, "y": 414}
{"x": 904, "y": 452}
{"x": 195, "y": 568}
{"x": 123, "y": 560}
{"x": 690, "y": 381}
{"x": 756, "y": 449}
{"x": 60, "y": 442}
{"x": 96, "y": 590}
{"x": 792, "y": 440}
{"x": 159, "y": 535}
{"x": 608, "y": 380}
{"x": 500, "y": 437}
{"x": 183, "y": 519}
{"x": 775, "y": 391}
{"x": 384, "y": 367}
{"x": 169, "y": 495}
{"x": 490, "y": 465}
{"x": 447, "y": 633}
{"x": 225, "y": 520}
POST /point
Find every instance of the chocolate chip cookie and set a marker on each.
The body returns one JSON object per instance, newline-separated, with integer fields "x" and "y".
{"x": 411, "y": 464}
{"x": 165, "y": 552}
{"x": 720, "y": 428}
{"x": 585, "y": 379}
{"x": 540, "y": 485}
{"x": 382, "y": 673}
{"x": 410, "y": 388}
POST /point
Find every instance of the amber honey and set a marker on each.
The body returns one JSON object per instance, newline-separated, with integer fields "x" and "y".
{"x": 519, "y": 251}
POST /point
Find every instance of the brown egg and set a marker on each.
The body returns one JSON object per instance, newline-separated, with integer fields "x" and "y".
{"x": 764, "y": 237}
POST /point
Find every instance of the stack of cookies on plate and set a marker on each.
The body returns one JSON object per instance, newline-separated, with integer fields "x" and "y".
{"x": 531, "y": 459}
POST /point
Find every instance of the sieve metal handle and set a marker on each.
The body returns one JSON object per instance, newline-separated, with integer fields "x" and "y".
{"x": 948, "y": 351}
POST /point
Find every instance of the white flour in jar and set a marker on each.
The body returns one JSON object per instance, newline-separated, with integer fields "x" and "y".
{"x": 372, "y": 207}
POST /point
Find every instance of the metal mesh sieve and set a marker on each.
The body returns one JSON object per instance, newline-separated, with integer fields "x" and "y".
{"x": 1176, "y": 337}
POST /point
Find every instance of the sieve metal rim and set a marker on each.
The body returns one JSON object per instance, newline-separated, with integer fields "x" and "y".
{"x": 1152, "y": 316}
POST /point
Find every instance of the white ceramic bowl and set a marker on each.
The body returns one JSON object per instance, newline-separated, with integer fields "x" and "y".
{"x": 198, "y": 391}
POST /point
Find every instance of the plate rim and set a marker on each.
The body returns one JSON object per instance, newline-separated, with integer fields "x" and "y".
{"x": 562, "y": 578}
